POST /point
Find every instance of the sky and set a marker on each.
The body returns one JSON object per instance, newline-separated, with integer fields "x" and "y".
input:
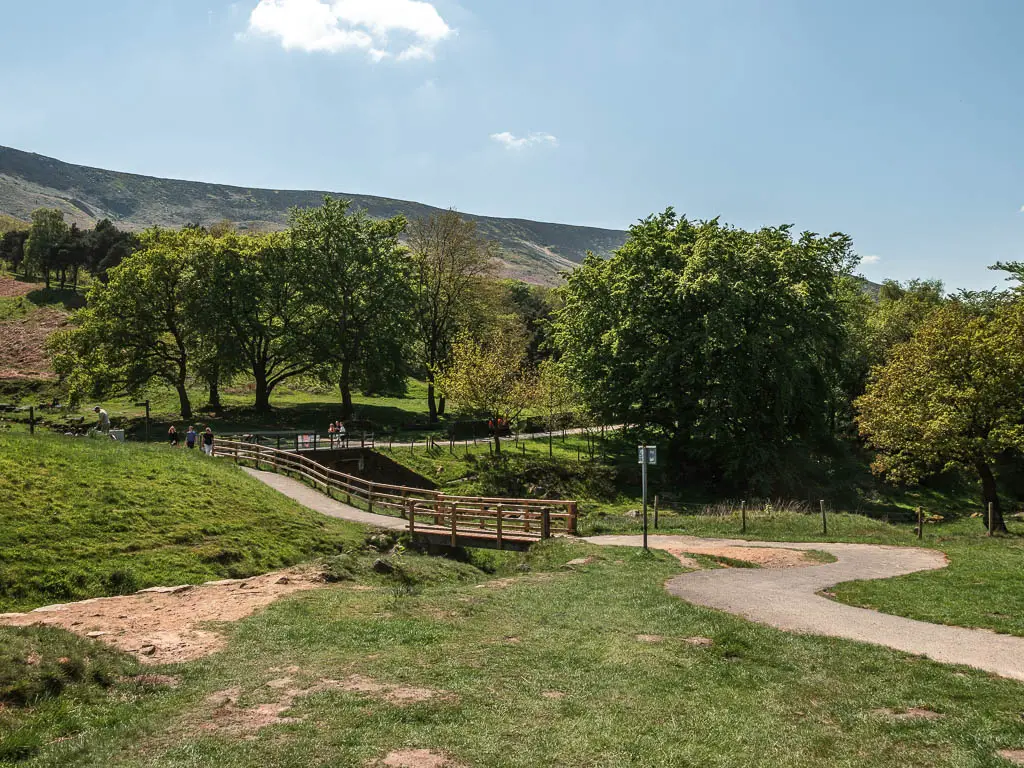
{"x": 897, "y": 122}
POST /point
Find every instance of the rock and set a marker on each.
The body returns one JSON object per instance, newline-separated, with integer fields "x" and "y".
{"x": 579, "y": 561}
{"x": 96, "y": 634}
{"x": 283, "y": 580}
{"x": 166, "y": 590}
{"x": 383, "y": 566}
{"x": 633, "y": 513}
{"x": 700, "y": 642}
{"x": 148, "y": 650}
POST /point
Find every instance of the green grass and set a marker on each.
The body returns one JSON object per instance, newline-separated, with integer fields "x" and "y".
{"x": 755, "y": 697}
{"x": 82, "y": 518}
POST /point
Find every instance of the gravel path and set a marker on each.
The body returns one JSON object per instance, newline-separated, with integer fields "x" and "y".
{"x": 325, "y": 505}
{"x": 788, "y": 599}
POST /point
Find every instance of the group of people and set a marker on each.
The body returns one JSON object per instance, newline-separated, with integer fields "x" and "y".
{"x": 191, "y": 438}
{"x": 336, "y": 428}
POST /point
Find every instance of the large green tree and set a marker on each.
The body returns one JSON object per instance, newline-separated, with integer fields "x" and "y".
{"x": 359, "y": 280}
{"x": 261, "y": 318}
{"x": 450, "y": 262}
{"x": 47, "y": 236}
{"x": 144, "y": 324}
{"x": 950, "y": 397}
{"x": 725, "y": 340}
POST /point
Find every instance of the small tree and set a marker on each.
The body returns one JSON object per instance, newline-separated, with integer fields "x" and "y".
{"x": 950, "y": 397}
{"x": 555, "y": 394}
{"x": 489, "y": 378}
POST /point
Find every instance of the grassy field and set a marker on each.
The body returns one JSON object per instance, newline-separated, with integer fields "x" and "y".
{"x": 85, "y": 517}
{"x": 586, "y": 666}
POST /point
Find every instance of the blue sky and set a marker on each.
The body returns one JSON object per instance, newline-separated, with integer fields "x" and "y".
{"x": 898, "y": 122}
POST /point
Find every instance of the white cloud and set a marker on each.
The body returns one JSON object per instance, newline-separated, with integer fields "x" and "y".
{"x": 511, "y": 141}
{"x": 406, "y": 29}
{"x": 870, "y": 259}
{"x": 1022, "y": 209}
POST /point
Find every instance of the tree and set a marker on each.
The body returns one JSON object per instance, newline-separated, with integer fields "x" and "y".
{"x": 556, "y": 394}
{"x": 257, "y": 296}
{"x": 106, "y": 246}
{"x": 900, "y": 311}
{"x": 358, "y": 278}
{"x": 12, "y": 248}
{"x": 450, "y": 260}
{"x": 144, "y": 324}
{"x": 950, "y": 397}
{"x": 490, "y": 378}
{"x": 46, "y": 237}
{"x": 724, "y": 340}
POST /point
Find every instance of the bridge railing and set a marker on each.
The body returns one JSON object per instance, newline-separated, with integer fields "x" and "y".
{"x": 424, "y": 510}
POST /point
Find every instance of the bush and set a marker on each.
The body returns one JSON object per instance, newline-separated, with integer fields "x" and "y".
{"x": 545, "y": 478}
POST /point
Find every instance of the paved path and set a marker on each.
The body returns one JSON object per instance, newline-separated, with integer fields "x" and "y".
{"x": 325, "y": 505}
{"x": 788, "y": 599}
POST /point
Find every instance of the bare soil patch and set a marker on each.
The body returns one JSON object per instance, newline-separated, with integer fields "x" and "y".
{"x": 12, "y": 289}
{"x": 765, "y": 557}
{"x": 913, "y": 713}
{"x": 22, "y": 344}
{"x": 416, "y": 758}
{"x": 164, "y": 624}
{"x": 700, "y": 642}
{"x": 1015, "y": 756}
{"x": 393, "y": 694}
{"x": 553, "y": 695}
{"x": 649, "y": 638}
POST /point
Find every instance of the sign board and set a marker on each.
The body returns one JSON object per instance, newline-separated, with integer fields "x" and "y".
{"x": 304, "y": 442}
{"x": 652, "y": 454}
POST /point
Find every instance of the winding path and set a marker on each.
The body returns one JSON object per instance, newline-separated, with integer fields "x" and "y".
{"x": 785, "y": 598}
{"x": 788, "y": 599}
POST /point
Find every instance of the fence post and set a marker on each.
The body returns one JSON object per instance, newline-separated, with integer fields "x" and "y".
{"x": 572, "y": 518}
{"x": 990, "y": 509}
{"x": 655, "y": 511}
{"x": 824, "y": 520}
{"x": 455, "y": 531}
{"x": 920, "y": 522}
{"x": 545, "y": 523}
{"x": 370, "y": 495}
{"x": 411, "y": 512}
{"x": 31, "y": 419}
{"x": 499, "y": 527}
{"x": 743, "y": 516}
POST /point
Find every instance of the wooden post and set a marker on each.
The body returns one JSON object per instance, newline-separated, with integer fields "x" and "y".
{"x": 411, "y": 512}
{"x": 572, "y": 518}
{"x": 824, "y": 520}
{"x": 369, "y": 494}
{"x": 455, "y": 525}
{"x": 655, "y": 510}
{"x": 743, "y": 516}
{"x": 990, "y": 510}
{"x": 545, "y": 523}
{"x": 31, "y": 419}
{"x": 500, "y": 546}
{"x": 920, "y": 522}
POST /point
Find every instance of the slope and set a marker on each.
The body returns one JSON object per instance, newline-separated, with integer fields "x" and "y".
{"x": 532, "y": 251}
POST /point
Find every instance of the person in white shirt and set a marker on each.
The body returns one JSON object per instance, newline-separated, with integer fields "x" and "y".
{"x": 104, "y": 422}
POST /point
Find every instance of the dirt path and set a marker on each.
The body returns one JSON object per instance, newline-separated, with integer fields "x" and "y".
{"x": 788, "y": 599}
{"x": 168, "y": 624}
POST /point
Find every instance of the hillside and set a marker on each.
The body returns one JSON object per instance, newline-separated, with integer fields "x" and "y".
{"x": 532, "y": 251}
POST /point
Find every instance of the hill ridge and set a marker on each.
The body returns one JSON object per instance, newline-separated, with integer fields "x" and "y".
{"x": 535, "y": 251}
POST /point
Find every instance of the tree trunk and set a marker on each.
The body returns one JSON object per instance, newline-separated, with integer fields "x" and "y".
{"x": 441, "y": 404}
{"x": 497, "y": 441}
{"x": 431, "y": 401}
{"x": 345, "y": 385}
{"x": 989, "y": 494}
{"x": 213, "y": 380}
{"x": 186, "y": 404}
{"x": 262, "y": 392}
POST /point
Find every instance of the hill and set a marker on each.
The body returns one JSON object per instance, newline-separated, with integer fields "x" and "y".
{"x": 85, "y": 517}
{"x": 532, "y": 251}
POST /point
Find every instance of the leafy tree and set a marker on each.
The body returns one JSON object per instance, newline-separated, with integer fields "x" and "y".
{"x": 490, "y": 378}
{"x": 950, "y": 397}
{"x": 358, "y": 278}
{"x": 142, "y": 325}
{"x": 556, "y": 394}
{"x": 257, "y": 298}
{"x": 106, "y": 246}
{"x": 12, "y": 248}
{"x": 900, "y": 311}
{"x": 725, "y": 340}
{"x": 450, "y": 260}
{"x": 534, "y": 306}
{"x": 46, "y": 237}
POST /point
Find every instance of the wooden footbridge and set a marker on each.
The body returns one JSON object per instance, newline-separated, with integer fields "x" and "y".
{"x": 437, "y": 517}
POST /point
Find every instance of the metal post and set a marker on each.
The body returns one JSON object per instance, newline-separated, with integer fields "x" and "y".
{"x": 655, "y": 511}
{"x": 644, "y": 465}
{"x": 824, "y": 519}
{"x": 743, "y": 516}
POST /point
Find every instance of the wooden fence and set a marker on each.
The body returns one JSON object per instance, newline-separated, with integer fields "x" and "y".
{"x": 425, "y": 511}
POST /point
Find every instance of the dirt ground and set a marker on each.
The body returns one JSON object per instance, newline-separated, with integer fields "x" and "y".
{"x": 12, "y": 289}
{"x": 165, "y": 624}
{"x": 22, "y": 344}
{"x": 764, "y": 557}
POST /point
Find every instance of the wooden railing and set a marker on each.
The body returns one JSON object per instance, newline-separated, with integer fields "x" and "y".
{"x": 429, "y": 512}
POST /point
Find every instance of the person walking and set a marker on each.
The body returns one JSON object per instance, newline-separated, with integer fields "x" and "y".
{"x": 208, "y": 442}
{"x": 172, "y": 436}
{"x": 190, "y": 438}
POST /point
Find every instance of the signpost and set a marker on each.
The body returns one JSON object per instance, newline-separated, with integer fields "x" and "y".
{"x": 139, "y": 405}
{"x": 647, "y": 455}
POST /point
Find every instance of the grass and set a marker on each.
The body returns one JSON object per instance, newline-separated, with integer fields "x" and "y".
{"x": 82, "y": 518}
{"x": 756, "y": 696}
